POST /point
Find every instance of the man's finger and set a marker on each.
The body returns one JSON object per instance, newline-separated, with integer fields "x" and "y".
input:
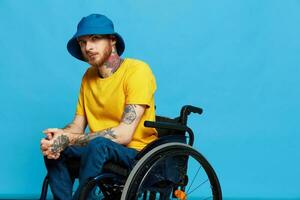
{"x": 45, "y": 142}
{"x": 53, "y": 156}
{"x": 46, "y": 153}
{"x": 44, "y": 147}
{"x": 56, "y": 156}
{"x": 50, "y": 130}
{"x": 49, "y": 154}
{"x": 49, "y": 136}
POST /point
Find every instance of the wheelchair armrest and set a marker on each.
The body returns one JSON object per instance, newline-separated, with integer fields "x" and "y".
{"x": 171, "y": 126}
{"x": 166, "y": 125}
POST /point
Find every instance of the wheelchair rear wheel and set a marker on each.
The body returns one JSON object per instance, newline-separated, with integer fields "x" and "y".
{"x": 104, "y": 188}
{"x": 172, "y": 171}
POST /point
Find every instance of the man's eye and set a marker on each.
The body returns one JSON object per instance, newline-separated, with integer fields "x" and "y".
{"x": 81, "y": 42}
{"x": 97, "y": 37}
{"x": 94, "y": 38}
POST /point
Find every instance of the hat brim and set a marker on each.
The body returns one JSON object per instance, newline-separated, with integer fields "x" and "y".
{"x": 74, "y": 48}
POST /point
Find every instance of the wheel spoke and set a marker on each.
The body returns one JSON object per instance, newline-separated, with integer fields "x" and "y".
{"x": 198, "y": 186}
{"x": 194, "y": 179}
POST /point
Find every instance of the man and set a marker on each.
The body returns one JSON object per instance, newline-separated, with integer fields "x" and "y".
{"x": 116, "y": 97}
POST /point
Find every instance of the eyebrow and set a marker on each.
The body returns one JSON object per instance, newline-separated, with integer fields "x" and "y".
{"x": 89, "y": 36}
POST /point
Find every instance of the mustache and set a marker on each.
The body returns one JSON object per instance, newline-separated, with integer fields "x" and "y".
{"x": 91, "y": 53}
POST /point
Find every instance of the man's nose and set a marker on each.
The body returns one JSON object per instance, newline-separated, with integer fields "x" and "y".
{"x": 89, "y": 46}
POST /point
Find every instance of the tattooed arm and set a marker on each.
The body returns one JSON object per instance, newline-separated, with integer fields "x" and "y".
{"x": 77, "y": 126}
{"x": 121, "y": 134}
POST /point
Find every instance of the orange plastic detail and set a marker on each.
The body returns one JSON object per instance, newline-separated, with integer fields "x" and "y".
{"x": 180, "y": 194}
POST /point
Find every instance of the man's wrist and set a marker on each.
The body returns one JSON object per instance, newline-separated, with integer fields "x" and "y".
{"x": 72, "y": 138}
{"x": 60, "y": 142}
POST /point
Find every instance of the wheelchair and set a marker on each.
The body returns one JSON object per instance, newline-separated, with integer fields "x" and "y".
{"x": 168, "y": 168}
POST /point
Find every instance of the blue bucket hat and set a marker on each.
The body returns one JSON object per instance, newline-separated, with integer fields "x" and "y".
{"x": 94, "y": 24}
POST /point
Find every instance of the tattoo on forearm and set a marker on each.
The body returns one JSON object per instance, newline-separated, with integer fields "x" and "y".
{"x": 85, "y": 139}
{"x": 60, "y": 143}
{"x": 81, "y": 140}
{"x": 108, "y": 133}
{"x": 129, "y": 114}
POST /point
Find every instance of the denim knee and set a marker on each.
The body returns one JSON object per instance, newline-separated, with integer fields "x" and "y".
{"x": 51, "y": 162}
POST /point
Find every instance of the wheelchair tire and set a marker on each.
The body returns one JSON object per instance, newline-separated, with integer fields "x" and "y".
{"x": 104, "y": 188}
{"x": 138, "y": 182}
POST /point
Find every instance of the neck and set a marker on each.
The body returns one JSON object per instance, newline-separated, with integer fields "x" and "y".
{"x": 111, "y": 65}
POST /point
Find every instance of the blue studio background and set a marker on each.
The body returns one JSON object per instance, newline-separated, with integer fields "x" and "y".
{"x": 238, "y": 60}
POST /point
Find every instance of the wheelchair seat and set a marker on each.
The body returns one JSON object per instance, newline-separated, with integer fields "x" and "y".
{"x": 168, "y": 168}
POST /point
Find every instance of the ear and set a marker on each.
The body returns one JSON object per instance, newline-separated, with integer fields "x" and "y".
{"x": 113, "y": 40}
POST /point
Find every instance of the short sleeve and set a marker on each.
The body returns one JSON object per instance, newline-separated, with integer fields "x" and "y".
{"x": 80, "y": 103}
{"x": 140, "y": 85}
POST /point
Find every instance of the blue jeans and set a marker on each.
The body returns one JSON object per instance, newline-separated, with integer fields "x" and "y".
{"x": 92, "y": 158}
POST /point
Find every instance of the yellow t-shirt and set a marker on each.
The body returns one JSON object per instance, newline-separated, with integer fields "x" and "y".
{"x": 102, "y": 100}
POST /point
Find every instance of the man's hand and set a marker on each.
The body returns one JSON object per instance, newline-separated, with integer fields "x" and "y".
{"x": 45, "y": 148}
{"x": 57, "y": 140}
